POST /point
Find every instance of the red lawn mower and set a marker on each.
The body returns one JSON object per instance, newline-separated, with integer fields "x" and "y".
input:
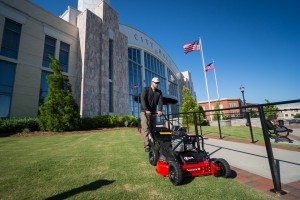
{"x": 177, "y": 154}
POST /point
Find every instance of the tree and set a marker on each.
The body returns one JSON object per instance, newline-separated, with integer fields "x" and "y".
{"x": 201, "y": 116}
{"x": 189, "y": 104}
{"x": 270, "y": 111}
{"x": 252, "y": 113}
{"x": 218, "y": 114}
{"x": 297, "y": 116}
{"x": 60, "y": 111}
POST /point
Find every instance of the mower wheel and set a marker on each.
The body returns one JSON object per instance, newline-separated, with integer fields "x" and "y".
{"x": 175, "y": 173}
{"x": 225, "y": 170}
{"x": 153, "y": 156}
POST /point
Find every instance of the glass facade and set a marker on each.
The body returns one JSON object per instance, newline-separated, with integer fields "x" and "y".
{"x": 110, "y": 75}
{"x": 49, "y": 49}
{"x": 173, "y": 90}
{"x": 44, "y": 87}
{"x": 173, "y": 84}
{"x": 110, "y": 60}
{"x": 135, "y": 80}
{"x": 111, "y": 107}
{"x": 11, "y": 39}
{"x": 64, "y": 56}
{"x": 153, "y": 67}
{"x": 7, "y": 78}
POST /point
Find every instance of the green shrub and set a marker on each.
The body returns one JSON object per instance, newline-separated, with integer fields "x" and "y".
{"x": 25, "y": 130}
{"x": 18, "y": 125}
{"x": 107, "y": 121}
{"x": 88, "y": 123}
{"x": 31, "y": 124}
{"x": 133, "y": 122}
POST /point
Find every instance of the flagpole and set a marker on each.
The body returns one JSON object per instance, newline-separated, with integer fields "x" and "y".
{"x": 217, "y": 86}
{"x": 203, "y": 63}
{"x": 216, "y": 83}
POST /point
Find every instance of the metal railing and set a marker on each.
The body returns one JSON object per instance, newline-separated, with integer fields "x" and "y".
{"x": 267, "y": 142}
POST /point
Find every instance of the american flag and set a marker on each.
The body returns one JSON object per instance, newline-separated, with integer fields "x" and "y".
{"x": 193, "y": 46}
{"x": 210, "y": 66}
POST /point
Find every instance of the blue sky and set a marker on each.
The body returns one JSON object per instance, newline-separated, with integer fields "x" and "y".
{"x": 255, "y": 43}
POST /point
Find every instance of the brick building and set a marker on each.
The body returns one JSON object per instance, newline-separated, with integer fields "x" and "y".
{"x": 224, "y": 103}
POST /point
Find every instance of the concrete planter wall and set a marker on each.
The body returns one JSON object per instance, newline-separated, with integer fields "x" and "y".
{"x": 222, "y": 123}
{"x": 255, "y": 122}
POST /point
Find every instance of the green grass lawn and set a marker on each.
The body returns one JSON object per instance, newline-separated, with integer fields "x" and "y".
{"x": 100, "y": 165}
{"x": 240, "y": 133}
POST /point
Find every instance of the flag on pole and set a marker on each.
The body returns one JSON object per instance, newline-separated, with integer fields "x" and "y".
{"x": 210, "y": 66}
{"x": 193, "y": 46}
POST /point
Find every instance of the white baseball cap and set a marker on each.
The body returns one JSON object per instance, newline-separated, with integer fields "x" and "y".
{"x": 155, "y": 80}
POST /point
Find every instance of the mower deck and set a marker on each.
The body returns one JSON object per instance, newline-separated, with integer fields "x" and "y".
{"x": 198, "y": 169}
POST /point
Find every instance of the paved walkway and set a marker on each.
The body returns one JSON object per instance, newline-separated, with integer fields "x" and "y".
{"x": 296, "y": 132}
{"x": 250, "y": 162}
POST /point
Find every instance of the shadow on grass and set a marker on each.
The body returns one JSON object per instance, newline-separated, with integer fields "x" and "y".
{"x": 189, "y": 179}
{"x": 91, "y": 186}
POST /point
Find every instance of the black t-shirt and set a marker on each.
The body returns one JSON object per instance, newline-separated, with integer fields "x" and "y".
{"x": 150, "y": 98}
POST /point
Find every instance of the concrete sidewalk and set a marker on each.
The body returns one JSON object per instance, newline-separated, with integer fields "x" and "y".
{"x": 250, "y": 163}
{"x": 296, "y": 132}
{"x": 253, "y": 158}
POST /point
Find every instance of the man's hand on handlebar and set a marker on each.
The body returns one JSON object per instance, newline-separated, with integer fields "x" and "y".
{"x": 159, "y": 113}
{"x": 148, "y": 113}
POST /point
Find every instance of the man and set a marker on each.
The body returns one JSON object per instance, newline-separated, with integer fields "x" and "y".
{"x": 150, "y": 98}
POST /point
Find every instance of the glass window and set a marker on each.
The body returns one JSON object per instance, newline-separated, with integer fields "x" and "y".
{"x": 134, "y": 54}
{"x": 64, "y": 56}
{"x": 154, "y": 64}
{"x": 111, "y": 103}
{"x": 11, "y": 39}
{"x": 135, "y": 80}
{"x": 49, "y": 49}
{"x": 139, "y": 57}
{"x": 44, "y": 87}
{"x": 110, "y": 60}
{"x": 5, "y": 105}
{"x": 7, "y": 77}
{"x": 172, "y": 81}
{"x": 148, "y": 77}
{"x": 130, "y": 53}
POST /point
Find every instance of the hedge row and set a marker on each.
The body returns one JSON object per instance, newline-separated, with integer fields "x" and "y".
{"x": 107, "y": 121}
{"x": 31, "y": 124}
{"x": 19, "y": 125}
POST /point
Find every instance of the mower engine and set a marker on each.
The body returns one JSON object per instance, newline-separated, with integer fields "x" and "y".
{"x": 180, "y": 141}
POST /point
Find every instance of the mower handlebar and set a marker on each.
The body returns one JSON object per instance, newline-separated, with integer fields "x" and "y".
{"x": 153, "y": 113}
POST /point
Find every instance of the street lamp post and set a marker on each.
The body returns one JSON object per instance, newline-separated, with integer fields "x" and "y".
{"x": 242, "y": 88}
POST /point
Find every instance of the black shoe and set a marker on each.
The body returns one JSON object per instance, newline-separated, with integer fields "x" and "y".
{"x": 146, "y": 149}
